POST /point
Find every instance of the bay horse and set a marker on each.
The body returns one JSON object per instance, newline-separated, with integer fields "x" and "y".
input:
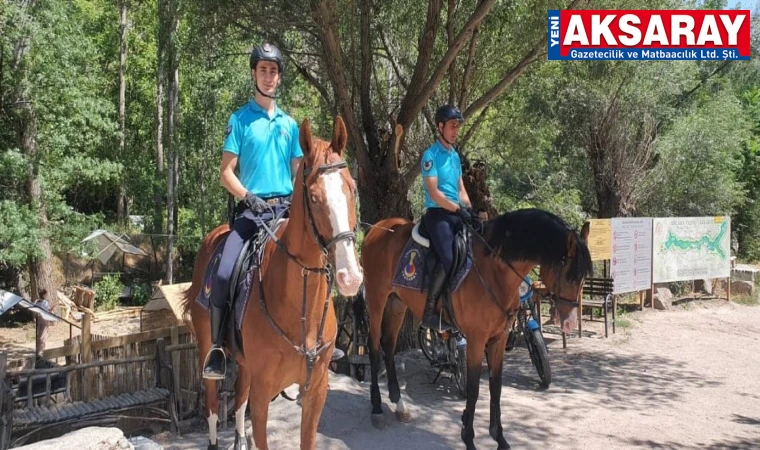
{"x": 484, "y": 305}
{"x": 289, "y": 328}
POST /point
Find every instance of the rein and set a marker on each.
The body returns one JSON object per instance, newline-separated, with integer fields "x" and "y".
{"x": 555, "y": 298}
{"x": 310, "y": 354}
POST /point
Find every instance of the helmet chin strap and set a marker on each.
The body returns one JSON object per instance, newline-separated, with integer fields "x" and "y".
{"x": 265, "y": 95}
{"x": 448, "y": 142}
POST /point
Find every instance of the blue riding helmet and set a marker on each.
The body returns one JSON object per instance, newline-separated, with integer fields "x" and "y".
{"x": 446, "y": 113}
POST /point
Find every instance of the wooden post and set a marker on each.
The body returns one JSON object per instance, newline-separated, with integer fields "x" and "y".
{"x": 728, "y": 288}
{"x": 85, "y": 355}
{"x": 3, "y": 362}
{"x": 580, "y": 314}
{"x": 160, "y": 358}
{"x": 29, "y": 397}
{"x": 5, "y": 413}
{"x": 48, "y": 395}
{"x": 176, "y": 368}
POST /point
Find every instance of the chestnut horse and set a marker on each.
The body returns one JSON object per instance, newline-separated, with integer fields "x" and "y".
{"x": 288, "y": 336}
{"x": 485, "y": 303}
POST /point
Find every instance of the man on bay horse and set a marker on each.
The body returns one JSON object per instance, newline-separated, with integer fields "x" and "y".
{"x": 264, "y": 141}
{"x": 447, "y": 204}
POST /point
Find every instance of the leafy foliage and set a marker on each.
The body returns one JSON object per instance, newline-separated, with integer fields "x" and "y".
{"x": 569, "y": 137}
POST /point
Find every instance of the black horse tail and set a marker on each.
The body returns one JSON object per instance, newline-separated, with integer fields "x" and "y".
{"x": 361, "y": 317}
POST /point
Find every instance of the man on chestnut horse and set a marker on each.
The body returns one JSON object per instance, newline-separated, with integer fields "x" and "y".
{"x": 447, "y": 205}
{"x": 263, "y": 140}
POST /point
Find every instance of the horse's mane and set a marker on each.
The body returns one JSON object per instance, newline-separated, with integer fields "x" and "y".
{"x": 537, "y": 235}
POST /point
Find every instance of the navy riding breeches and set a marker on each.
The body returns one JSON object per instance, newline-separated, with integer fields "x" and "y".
{"x": 245, "y": 227}
{"x": 443, "y": 226}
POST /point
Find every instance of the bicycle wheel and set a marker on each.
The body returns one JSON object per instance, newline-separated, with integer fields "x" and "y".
{"x": 459, "y": 365}
{"x": 539, "y": 355}
{"x": 428, "y": 341}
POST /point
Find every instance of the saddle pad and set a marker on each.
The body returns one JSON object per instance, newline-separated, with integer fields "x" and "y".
{"x": 244, "y": 285}
{"x": 410, "y": 268}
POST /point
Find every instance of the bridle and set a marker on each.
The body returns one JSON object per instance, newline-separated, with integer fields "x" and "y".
{"x": 311, "y": 354}
{"x": 555, "y": 298}
{"x": 346, "y": 235}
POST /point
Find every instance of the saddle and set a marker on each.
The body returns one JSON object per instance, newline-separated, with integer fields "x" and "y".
{"x": 241, "y": 280}
{"x": 462, "y": 252}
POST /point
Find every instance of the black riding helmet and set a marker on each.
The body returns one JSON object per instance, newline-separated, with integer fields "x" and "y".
{"x": 266, "y": 52}
{"x": 446, "y": 113}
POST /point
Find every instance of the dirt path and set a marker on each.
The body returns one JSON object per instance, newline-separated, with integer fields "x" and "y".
{"x": 687, "y": 378}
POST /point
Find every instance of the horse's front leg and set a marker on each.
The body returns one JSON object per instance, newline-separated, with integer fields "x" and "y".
{"x": 495, "y": 357}
{"x": 258, "y": 401}
{"x": 313, "y": 402}
{"x": 475, "y": 349}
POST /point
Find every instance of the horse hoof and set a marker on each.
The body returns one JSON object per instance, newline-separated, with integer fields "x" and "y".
{"x": 403, "y": 417}
{"x": 213, "y": 446}
{"x": 378, "y": 421}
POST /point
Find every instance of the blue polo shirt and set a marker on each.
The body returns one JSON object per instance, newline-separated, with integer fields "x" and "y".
{"x": 443, "y": 163}
{"x": 264, "y": 146}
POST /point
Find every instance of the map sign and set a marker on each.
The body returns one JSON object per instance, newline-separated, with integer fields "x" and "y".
{"x": 631, "y": 262}
{"x": 689, "y": 248}
{"x": 600, "y": 239}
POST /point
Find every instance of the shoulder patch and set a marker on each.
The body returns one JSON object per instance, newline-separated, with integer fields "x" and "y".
{"x": 227, "y": 131}
{"x": 427, "y": 165}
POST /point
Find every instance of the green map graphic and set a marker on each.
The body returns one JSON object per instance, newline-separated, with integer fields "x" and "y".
{"x": 712, "y": 245}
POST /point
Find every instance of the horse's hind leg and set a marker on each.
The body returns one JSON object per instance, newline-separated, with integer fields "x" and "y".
{"x": 212, "y": 409}
{"x": 475, "y": 348}
{"x": 242, "y": 389}
{"x": 392, "y": 322}
{"x": 495, "y": 357}
{"x": 376, "y": 300}
{"x": 211, "y": 398}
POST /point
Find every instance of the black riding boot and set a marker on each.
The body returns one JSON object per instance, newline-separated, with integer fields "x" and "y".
{"x": 216, "y": 363}
{"x": 429, "y": 318}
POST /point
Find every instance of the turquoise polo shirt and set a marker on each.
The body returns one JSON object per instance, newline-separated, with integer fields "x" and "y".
{"x": 264, "y": 146}
{"x": 443, "y": 163}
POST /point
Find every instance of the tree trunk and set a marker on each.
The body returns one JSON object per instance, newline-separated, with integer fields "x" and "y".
{"x": 383, "y": 194}
{"x": 172, "y": 136}
{"x": 158, "y": 225}
{"x": 122, "y": 209}
{"x": 475, "y": 178}
{"x": 609, "y": 201}
{"x": 40, "y": 267}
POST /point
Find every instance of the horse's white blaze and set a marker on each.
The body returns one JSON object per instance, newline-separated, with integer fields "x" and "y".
{"x": 212, "y": 418}
{"x": 348, "y": 274}
{"x": 240, "y": 420}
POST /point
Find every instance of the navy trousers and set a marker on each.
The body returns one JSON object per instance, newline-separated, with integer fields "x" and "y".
{"x": 245, "y": 227}
{"x": 443, "y": 226}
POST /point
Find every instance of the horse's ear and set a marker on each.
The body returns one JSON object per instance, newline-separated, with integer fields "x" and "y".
{"x": 305, "y": 138}
{"x": 585, "y": 231}
{"x": 339, "y": 137}
{"x": 571, "y": 244}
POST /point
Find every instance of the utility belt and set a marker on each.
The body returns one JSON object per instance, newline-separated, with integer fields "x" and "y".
{"x": 271, "y": 201}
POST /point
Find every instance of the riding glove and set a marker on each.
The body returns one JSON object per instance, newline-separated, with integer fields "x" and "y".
{"x": 256, "y": 204}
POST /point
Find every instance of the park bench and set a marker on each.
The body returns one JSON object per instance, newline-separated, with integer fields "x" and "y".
{"x": 597, "y": 294}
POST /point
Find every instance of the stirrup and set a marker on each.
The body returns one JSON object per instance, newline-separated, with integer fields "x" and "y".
{"x": 205, "y": 363}
{"x": 441, "y": 326}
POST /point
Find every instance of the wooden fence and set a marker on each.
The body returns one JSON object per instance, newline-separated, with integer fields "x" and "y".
{"x": 103, "y": 369}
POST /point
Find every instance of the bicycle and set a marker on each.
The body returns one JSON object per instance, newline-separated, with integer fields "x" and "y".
{"x": 527, "y": 325}
{"x": 446, "y": 351}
